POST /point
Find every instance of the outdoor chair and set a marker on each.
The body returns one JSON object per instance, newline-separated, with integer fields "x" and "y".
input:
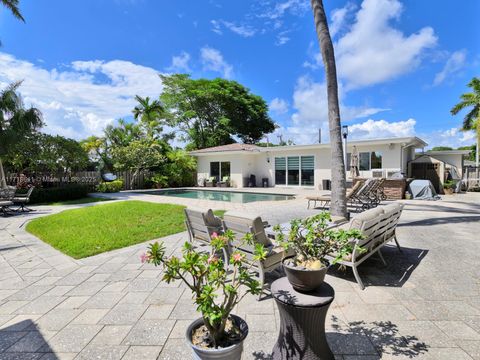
{"x": 378, "y": 226}
{"x": 6, "y": 197}
{"x": 22, "y": 200}
{"x": 211, "y": 182}
{"x": 241, "y": 224}
{"x": 225, "y": 182}
{"x": 324, "y": 200}
{"x": 201, "y": 225}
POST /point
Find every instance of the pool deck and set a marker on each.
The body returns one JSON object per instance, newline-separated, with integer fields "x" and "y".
{"x": 423, "y": 305}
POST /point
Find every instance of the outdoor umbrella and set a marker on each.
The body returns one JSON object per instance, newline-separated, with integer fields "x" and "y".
{"x": 354, "y": 163}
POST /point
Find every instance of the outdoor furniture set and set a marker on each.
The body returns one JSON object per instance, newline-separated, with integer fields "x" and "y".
{"x": 10, "y": 198}
{"x": 377, "y": 225}
{"x": 212, "y": 182}
{"x": 363, "y": 195}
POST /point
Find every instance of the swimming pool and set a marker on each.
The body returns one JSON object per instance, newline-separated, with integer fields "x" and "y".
{"x": 228, "y": 196}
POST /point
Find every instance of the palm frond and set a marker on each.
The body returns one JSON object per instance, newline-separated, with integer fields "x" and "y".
{"x": 471, "y": 119}
{"x": 12, "y": 5}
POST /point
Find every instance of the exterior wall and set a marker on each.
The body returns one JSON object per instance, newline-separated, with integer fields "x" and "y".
{"x": 391, "y": 157}
{"x": 236, "y": 167}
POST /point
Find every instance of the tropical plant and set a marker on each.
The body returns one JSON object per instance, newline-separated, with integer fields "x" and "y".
{"x": 338, "y": 204}
{"x": 212, "y": 112}
{"x": 312, "y": 240}
{"x": 110, "y": 187}
{"x": 449, "y": 184}
{"x": 157, "y": 181}
{"x": 12, "y": 5}
{"x": 216, "y": 290}
{"x": 151, "y": 116}
{"x": 15, "y": 122}
{"x": 471, "y": 121}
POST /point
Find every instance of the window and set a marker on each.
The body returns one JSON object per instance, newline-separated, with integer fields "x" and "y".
{"x": 293, "y": 167}
{"x": 295, "y": 170}
{"x": 364, "y": 159}
{"x": 307, "y": 165}
{"x": 280, "y": 171}
{"x": 376, "y": 160}
{"x": 219, "y": 170}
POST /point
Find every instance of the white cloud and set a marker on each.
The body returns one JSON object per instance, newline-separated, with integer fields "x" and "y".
{"x": 216, "y": 27}
{"x": 296, "y": 7}
{"x": 282, "y": 38}
{"x": 213, "y": 60}
{"x": 278, "y": 106}
{"x": 84, "y": 96}
{"x": 452, "y": 137}
{"x": 454, "y": 64}
{"x": 310, "y": 102}
{"x": 242, "y": 30}
{"x": 378, "y": 129}
{"x": 373, "y": 51}
{"x": 339, "y": 17}
{"x": 180, "y": 63}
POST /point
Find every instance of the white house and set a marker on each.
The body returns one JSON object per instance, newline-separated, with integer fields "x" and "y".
{"x": 301, "y": 165}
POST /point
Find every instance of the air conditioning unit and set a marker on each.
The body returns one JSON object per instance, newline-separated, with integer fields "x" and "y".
{"x": 390, "y": 173}
{"x": 377, "y": 173}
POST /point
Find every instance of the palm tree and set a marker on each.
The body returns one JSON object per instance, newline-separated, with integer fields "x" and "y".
{"x": 472, "y": 118}
{"x": 12, "y": 5}
{"x": 149, "y": 114}
{"x": 339, "y": 204}
{"x": 15, "y": 122}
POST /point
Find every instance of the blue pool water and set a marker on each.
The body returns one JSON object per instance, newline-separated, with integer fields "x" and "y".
{"x": 229, "y": 196}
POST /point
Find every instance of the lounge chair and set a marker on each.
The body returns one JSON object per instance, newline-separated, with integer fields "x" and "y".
{"x": 6, "y": 197}
{"x": 324, "y": 200}
{"x": 242, "y": 224}
{"x": 378, "y": 226}
{"x": 22, "y": 200}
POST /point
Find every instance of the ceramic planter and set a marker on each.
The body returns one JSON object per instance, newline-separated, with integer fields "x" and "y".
{"x": 233, "y": 352}
{"x": 304, "y": 280}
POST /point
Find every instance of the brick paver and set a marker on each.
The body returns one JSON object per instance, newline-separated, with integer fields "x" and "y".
{"x": 424, "y": 304}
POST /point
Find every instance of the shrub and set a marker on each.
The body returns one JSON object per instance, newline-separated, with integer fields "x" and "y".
{"x": 110, "y": 187}
{"x": 56, "y": 194}
{"x": 157, "y": 181}
{"x": 449, "y": 184}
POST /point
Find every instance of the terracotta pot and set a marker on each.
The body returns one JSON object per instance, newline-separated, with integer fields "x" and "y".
{"x": 448, "y": 191}
{"x": 233, "y": 352}
{"x": 304, "y": 280}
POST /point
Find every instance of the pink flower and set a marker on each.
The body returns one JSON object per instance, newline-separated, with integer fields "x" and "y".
{"x": 237, "y": 257}
{"x": 212, "y": 259}
{"x": 214, "y": 235}
{"x": 144, "y": 258}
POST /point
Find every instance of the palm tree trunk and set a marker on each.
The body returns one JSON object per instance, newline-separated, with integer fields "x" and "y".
{"x": 338, "y": 205}
{"x": 3, "y": 180}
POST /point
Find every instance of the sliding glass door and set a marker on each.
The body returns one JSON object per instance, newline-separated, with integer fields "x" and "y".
{"x": 295, "y": 170}
{"x": 220, "y": 170}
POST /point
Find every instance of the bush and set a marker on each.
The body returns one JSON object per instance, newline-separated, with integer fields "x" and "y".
{"x": 57, "y": 194}
{"x": 449, "y": 184}
{"x": 110, "y": 187}
{"x": 156, "y": 181}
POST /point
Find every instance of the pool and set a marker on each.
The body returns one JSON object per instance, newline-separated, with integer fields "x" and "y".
{"x": 228, "y": 196}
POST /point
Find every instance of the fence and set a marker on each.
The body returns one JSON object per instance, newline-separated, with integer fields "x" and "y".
{"x": 471, "y": 177}
{"x": 90, "y": 178}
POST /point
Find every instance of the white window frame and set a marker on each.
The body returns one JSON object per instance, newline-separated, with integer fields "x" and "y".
{"x": 369, "y": 160}
{"x": 299, "y": 170}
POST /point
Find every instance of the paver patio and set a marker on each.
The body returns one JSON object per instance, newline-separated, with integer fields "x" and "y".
{"x": 424, "y": 304}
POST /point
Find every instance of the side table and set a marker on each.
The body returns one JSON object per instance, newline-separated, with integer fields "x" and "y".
{"x": 302, "y": 322}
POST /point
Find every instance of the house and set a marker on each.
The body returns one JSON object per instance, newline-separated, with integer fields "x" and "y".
{"x": 301, "y": 165}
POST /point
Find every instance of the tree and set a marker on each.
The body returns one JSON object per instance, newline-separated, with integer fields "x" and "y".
{"x": 12, "y": 5}
{"x": 473, "y": 152}
{"x": 441, "y": 148}
{"x": 471, "y": 121}
{"x": 213, "y": 112}
{"x": 338, "y": 204}
{"x": 151, "y": 116}
{"x": 15, "y": 122}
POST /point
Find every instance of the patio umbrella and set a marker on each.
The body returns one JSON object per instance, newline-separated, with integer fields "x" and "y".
{"x": 354, "y": 163}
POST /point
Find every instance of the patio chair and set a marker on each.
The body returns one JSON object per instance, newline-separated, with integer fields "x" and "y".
{"x": 241, "y": 224}
{"x": 325, "y": 199}
{"x": 22, "y": 200}
{"x": 6, "y": 197}
{"x": 211, "y": 182}
{"x": 378, "y": 226}
{"x": 225, "y": 182}
{"x": 201, "y": 225}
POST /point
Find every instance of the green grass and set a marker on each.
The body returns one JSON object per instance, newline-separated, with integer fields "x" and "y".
{"x": 85, "y": 200}
{"x": 95, "y": 229}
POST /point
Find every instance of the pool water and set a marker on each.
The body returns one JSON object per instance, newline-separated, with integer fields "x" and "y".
{"x": 228, "y": 196}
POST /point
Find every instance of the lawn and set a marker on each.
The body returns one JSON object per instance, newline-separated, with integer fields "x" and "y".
{"x": 85, "y": 200}
{"x": 95, "y": 229}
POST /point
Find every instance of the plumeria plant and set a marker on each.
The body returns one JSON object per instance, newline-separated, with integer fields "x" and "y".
{"x": 312, "y": 240}
{"x": 216, "y": 286}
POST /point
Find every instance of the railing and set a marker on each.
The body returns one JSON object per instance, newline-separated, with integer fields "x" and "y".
{"x": 471, "y": 177}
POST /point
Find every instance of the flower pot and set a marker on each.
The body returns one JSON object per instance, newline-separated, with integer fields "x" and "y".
{"x": 304, "y": 280}
{"x": 448, "y": 191}
{"x": 233, "y": 352}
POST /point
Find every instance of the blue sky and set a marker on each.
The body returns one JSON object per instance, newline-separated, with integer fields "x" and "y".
{"x": 402, "y": 63}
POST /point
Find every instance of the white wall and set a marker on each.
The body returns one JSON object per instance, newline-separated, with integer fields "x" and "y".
{"x": 452, "y": 159}
{"x": 236, "y": 167}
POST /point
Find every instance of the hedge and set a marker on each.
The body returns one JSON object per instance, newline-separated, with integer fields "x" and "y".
{"x": 110, "y": 187}
{"x": 56, "y": 194}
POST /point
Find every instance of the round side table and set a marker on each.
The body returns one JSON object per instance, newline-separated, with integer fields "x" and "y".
{"x": 302, "y": 322}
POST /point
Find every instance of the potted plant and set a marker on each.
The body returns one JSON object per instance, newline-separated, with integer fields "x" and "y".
{"x": 313, "y": 243}
{"x": 216, "y": 290}
{"x": 448, "y": 187}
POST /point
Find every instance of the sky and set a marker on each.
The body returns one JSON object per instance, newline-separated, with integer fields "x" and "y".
{"x": 401, "y": 64}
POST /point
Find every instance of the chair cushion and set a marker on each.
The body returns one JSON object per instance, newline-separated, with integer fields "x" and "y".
{"x": 358, "y": 220}
{"x": 387, "y": 209}
{"x": 211, "y": 219}
{"x": 252, "y": 220}
{"x": 275, "y": 256}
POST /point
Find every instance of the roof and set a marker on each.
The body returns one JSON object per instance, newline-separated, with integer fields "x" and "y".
{"x": 449, "y": 152}
{"x": 249, "y": 148}
{"x": 228, "y": 148}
